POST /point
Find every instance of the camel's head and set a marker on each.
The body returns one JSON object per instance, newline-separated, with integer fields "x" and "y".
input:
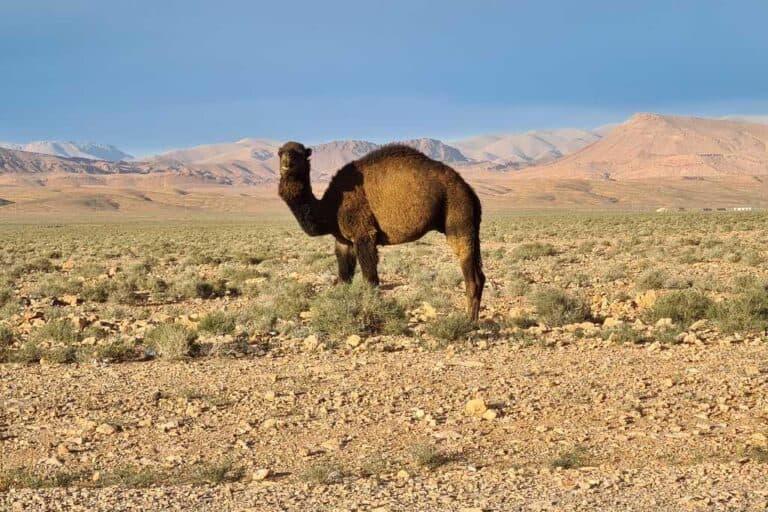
{"x": 294, "y": 159}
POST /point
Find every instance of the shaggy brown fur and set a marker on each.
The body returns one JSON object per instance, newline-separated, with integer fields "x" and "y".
{"x": 392, "y": 195}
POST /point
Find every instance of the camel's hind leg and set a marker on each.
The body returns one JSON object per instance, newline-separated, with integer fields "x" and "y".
{"x": 345, "y": 257}
{"x": 467, "y": 249}
{"x": 368, "y": 256}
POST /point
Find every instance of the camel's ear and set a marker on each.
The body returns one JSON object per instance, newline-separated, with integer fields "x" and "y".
{"x": 308, "y": 152}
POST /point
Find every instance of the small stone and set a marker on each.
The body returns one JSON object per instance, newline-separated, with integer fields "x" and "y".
{"x": 311, "y": 343}
{"x": 269, "y": 424}
{"x": 589, "y": 484}
{"x": 428, "y": 310}
{"x": 261, "y": 474}
{"x": 106, "y": 429}
{"x": 612, "y": 323}
{"x": 690, "y": 338}
{"x": 476, "y": 407}
{"x": 664, "y": 323}
{"x": 269, "y": 396}
{"x": 96, "y": 476}
{"x": 758, "y": 438}
{"x": 699, "y": 324}
{"x": 752, "y": 370}
{"x": 403, "y": 475}
{"x": 668, "y": 383}
{"x": 490, "y": 414}
{"x": 168, "y": 426}
{"x": 62, "y": 450}
{"x": 70, "y": 300}
{"x": 655, "y": 347}
{"x": 354, "y": 341}
{"x": 646, "y": 300}
{"x": 332, "y": 445}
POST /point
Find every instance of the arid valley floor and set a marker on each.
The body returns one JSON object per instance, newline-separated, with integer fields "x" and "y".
{"x": 620, "y": 363}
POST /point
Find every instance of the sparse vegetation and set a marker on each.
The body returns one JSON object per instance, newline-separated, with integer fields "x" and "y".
{"x": 394, "y": 399}
{"x": 683, "y": 307}
{"x": 218, "y": 322}
{"x": 747, "y": 310}
{"x": 532, "y": 251}
{"x": 356, "y": 308}
{"x": 428, "y": 456}
{"x": 218, "y": 473}
{"x": 115, "y": 351}
{"x": 58, "y": 330}
{"x": 571, "y": 459}
{"x": 452, "y": 327}
{"x": 651, "y": 280}
{"x": 324, "y": 474}
{"x": 171, "y": 341}
{"x": 556, "y": 307}
{"x": 7, "y": 336}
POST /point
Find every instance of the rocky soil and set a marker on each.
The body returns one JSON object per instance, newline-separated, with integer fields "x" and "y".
{"x": 618, "y": 409}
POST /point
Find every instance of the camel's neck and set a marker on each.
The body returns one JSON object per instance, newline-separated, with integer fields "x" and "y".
{"x": 308, "y": 210}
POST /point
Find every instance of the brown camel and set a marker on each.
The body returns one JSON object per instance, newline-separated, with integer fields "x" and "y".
{"x": 392, "y": 195}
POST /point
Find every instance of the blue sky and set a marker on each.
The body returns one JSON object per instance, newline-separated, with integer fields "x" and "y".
{"x": 152, "y": 75}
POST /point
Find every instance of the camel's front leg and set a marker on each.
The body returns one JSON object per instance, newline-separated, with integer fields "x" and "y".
{"x": 345, "y": 256}
{"x": 368, "y": 256}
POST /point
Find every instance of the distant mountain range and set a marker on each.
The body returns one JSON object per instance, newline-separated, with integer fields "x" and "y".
{"x": 653, "y": 145}
{"x": 71, "y": 150}
{"x": 651, "y": 159}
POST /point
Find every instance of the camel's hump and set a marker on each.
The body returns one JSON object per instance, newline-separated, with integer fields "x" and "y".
{"x": 392, "y": 151}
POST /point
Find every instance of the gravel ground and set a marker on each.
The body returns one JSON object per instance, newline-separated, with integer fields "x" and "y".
{"x": 579, "y": 426}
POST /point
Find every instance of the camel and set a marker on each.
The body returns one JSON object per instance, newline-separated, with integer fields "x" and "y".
{"x": 392, "y": 195}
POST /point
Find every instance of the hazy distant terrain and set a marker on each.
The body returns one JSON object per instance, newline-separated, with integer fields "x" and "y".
{"x": 71, "y": 149}
{"x": 649, "y": 161}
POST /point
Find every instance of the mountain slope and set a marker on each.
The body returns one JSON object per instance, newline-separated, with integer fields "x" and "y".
{"x": 437, "y": 150}
{"x": 71, "y": 150}
{"x": 516, "y": 150}
{"x": 653, "y": 145}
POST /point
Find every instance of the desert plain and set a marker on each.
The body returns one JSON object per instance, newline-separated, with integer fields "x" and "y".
{"x": 619, "y": 364}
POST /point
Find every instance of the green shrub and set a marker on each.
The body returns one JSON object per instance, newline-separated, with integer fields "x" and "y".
{"x": 6, "y": 294}
{"x": 55, "y": 285}
{"x": 356, "y": 308}
{"x": 61, "y": 355}
{"x": 523, "y": 321}
{"x": 557, "y": 307}
{"x": 651, "y": 280}
{"x": 171, "y": 341}
{"x": 451, "y": 328}
{"x": 571, "y": 459}
{"x": 116, "y": 350}
{"x": 291, "y": 298}
{"x": 217, "y": 473}
{"x": 58, "y": 330}
{"x": 98, "y": 292}
{"x": 747, "y": 311}
{"x": 324, "y": 474}
{"x": 532, "y": 251}
{"x": 683, "y": 307}
{"x": 29, "y": 352}
{"x": 623, "y": 334}
{"x": 7, "y": 336}
{"x": 218, "y": 322}
{"x": 428, "y": 456}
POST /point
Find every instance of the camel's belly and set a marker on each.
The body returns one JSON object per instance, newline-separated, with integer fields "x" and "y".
{"x": 404, "y": 217}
